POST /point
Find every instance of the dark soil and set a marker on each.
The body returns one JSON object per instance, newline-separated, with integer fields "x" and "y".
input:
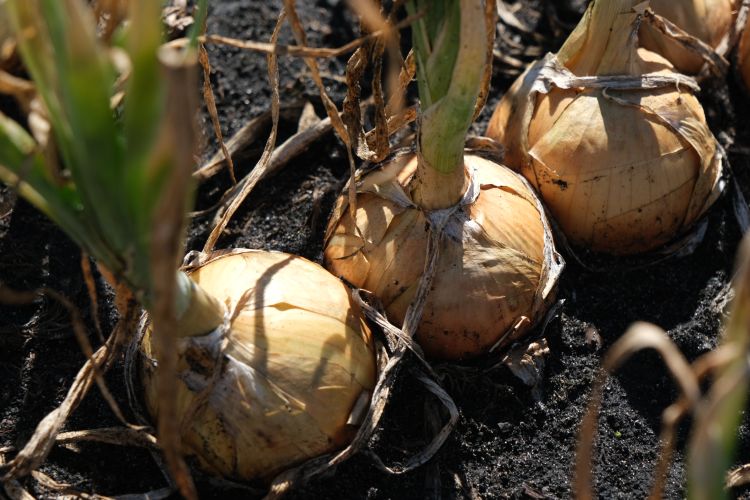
{"x": 510, "y": 442}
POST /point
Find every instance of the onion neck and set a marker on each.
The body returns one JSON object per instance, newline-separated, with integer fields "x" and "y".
{"x": 198, "y": 313}
{"x": 447, "y": 104}
{"x": 605, "y": 41}
{"x": 434, "y": 190}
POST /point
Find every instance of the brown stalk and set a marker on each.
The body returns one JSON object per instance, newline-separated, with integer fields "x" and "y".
{"x": 640, "y": 336}
{"x": 369, "y": 15}
{"x": 378, "y": 137}
{"x": 120, "y": 436}
{"x": 405, "y": 76}
{"x": 300, "y": 142}
{"x": 88, "y": 278}
{"x": 15, "y": 491}
{"x": 260, "y": 168}
{"x": 339, "y": 125}
{"x": 177, "y": 141}
{"x": 14, "y": 297}
{"x": 300, "y": 50}
{"x": 350, "y": 116}
{"x": 374, "y": 146}
{"x": 38, "y": 447}
{"x": 739, "y": 476}
{"x": 83, "y": 341}
{"x": 242, "y": 139}
{"x": 718, "y": 416}
{"x": 12, "y": 487}
{"x": 674, "y": 413}
{"x": 208, "y": 97}
{"x": 377, "y": 147}
{"x": 63, "y": 490}
{"x": 398, "y": 68}
{"x": 15, "y": 86}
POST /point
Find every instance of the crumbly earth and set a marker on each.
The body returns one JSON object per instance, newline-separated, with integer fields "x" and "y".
{"x": 510, "y": 442}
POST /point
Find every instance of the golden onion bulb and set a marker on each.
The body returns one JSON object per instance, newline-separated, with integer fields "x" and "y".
{"x": 622, "y": 171}
{"x": 493, "y": 277}
{"x": 707, "y": 20}
{"x": 281, "y": 384}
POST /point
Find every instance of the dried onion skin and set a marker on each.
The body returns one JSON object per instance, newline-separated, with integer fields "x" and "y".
{"x": 281, "y": 384}
{"x": 707, "y": 20}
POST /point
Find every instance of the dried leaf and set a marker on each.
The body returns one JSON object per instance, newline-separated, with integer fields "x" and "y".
{"x": 208, "y": 97}
{"x": 262, "y": 166}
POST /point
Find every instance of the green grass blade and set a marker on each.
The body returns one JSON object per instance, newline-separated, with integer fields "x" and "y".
{"x": 24, "y": 169}
{"x": 85, "y": 81}
{"x": 200, "y": 19}
{"x": 74, "y": 76}
{"x": 144, "y": 94}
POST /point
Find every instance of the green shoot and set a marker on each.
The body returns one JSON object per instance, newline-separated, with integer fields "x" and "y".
{"x": 449, "y": 45}
{"x": 116, "y": 174}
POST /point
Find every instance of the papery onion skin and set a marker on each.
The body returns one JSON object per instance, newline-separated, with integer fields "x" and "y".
{"x": 487, "y": 277}
{"x": 297, "y": 358}
{"x": 616, "y": 177}
{"x": 707, "y": 20}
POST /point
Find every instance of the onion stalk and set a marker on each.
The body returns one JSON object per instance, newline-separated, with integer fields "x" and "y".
{"x": 492, "y": 268}
{"x": 707, "y": 20}
{"x": 289, "y": 357}
{"x": 612, "y": 137}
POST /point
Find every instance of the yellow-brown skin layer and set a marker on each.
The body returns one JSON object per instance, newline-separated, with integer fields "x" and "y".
{"x": 484, "y": 284}
{"x": 616, "y": 179}
{"x": 310, "y": 355}
{"x": 707, "y": 20}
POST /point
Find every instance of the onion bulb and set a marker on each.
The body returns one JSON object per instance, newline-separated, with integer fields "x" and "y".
{"x": 707, "y": 20}
{"x": 494, "y": 274}
{"x": 456, "y": 243}
{"x": 280, "y": 385}
{"x": 624, "y": 161}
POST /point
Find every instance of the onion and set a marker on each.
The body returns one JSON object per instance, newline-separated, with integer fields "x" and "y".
{"x": 623, "y": 168}
{"x": 456, "y": 247}
{"x": 281, "y": 384}
{"x": 492, "y": 278}
{"x": 707, "y": 20}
